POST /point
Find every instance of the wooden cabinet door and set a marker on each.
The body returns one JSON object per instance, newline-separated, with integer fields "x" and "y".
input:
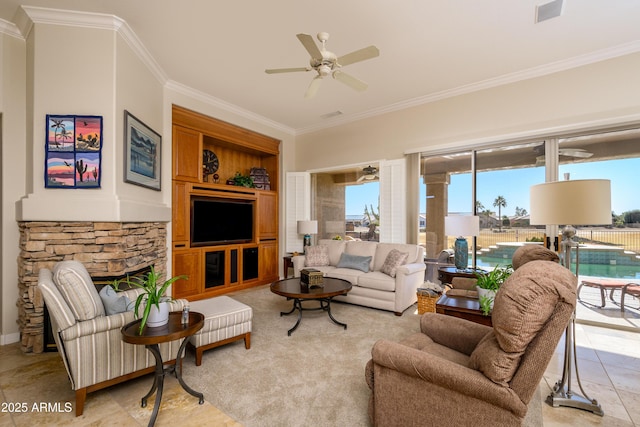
{"x": 187, "y": 154}
{"x": 180, "y": 213}
{"x": 268, "y": 261}
{"x": 267, "y": 216}
{"x": 188, "y": 263}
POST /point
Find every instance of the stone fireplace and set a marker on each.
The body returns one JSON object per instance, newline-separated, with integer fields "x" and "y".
{"x": 106, "y": 249}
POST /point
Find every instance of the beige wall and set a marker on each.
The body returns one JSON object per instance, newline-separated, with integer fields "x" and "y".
{"x": 591, "y": 95}
{"x": 98, "y": 76}
{"x": 13, "y": 157}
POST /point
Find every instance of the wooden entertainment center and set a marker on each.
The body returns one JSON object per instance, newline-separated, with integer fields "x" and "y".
{"x": 218, "y": 266}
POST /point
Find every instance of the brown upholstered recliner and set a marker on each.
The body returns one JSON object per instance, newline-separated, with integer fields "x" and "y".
{"x": 456, "y": 372}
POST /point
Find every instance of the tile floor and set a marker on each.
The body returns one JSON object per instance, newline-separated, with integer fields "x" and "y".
{"x": 608, "y": 360}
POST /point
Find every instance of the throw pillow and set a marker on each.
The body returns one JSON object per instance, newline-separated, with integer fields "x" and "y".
{"x": 316, "y": 256}
{"x": 114, "y": 303}
{"x": 77, "y": 288}
{"x": 394, "y": 259}
{"x": 354, "y": 261}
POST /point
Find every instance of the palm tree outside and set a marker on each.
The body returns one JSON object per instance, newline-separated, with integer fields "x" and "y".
{"x": 500, "y": 202}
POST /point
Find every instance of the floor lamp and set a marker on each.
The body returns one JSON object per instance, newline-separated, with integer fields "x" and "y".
{"x": 568, "y": 203}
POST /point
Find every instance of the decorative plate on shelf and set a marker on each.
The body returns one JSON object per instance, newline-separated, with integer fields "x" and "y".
{"x": 210, "y": 162}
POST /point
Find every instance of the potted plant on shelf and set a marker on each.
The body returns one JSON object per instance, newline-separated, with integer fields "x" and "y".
{"x": 242, "y": 180}
{"x": 488, "y": 284}
{"x": 155, "y": 311}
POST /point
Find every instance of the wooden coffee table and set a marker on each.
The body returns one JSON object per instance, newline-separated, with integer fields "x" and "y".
{"x": 298, "y": 292}
{"x": 462, "y": 307}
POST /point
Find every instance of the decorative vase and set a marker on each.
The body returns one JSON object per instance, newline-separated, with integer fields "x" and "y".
{"x": 486, "y": 293}
{"x": 158, "y": 317}
{"x": 461, "y": 255}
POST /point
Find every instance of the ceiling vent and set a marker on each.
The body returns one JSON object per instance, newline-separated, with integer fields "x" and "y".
{"x": 549, "y": 10}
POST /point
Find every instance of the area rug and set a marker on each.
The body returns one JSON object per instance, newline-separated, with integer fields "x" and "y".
{"x": 313, "y": 377}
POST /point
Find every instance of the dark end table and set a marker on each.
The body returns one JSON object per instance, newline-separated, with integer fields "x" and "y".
{"x": 151, "y": 338}
{"x": 462, "y": 307}
{"x": 298, "y": 292}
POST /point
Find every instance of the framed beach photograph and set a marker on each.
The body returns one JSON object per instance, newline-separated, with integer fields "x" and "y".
{"x": 142, "y": 146}
{"x": 73, "y": 150}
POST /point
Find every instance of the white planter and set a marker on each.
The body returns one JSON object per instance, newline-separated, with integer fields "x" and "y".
{"x": 486, "y": 293}
{"x": 157, "y": 317}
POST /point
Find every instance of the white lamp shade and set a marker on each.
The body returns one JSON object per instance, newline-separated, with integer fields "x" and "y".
{"x": 577, "y": 202}
{"x": 462, "y": 225}
{"x": 307, "y": 227}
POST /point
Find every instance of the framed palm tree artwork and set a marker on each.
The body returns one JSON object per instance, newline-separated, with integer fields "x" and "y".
{"x": 73, "y": 149}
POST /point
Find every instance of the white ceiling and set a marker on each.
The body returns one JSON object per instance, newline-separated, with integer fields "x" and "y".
{"x": 429, "y": 49}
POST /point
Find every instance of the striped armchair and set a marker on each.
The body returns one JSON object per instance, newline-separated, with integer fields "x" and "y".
{"x": 88, "y": 340}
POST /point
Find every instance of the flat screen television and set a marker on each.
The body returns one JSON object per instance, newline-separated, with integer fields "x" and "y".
{"x": 217, "y": 221}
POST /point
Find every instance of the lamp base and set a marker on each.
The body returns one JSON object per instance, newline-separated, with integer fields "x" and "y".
{"x": 560, "y": 397}
{"x": 461, "y": 255}
{"x": 306, "y": 241}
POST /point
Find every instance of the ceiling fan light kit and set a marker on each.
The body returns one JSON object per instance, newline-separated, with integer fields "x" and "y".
{"x": 326, "y": 63}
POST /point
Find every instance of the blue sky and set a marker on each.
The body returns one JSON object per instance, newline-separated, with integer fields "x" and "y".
{"x": 514, "y": 185}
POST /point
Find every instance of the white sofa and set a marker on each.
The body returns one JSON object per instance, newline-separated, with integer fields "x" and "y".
{"x": 373, "y": 288}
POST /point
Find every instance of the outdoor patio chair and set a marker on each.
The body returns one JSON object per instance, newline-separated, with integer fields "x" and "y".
{"x": 630, "y": 289}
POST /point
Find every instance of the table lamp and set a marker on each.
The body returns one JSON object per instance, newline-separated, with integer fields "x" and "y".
{"x": 461, "y": 225}
{"x": 568, "y": 203}
{"x": 307, "y": 228}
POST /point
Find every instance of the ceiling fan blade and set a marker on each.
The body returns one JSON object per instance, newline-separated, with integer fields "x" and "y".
{"x": 350, "y": 81}
{"x": 362, "y": 178}
{"x": 313, "y": 87}
{"x": 359, "y": 55}
{"x": 286, "y": 70}
{"x": 310, "y": 45}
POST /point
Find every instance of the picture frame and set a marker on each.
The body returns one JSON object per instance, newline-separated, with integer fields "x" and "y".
{"x": 73, "y": 151}
{"x": 142, "y": 153}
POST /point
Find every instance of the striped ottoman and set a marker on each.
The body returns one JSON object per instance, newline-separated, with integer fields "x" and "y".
{"x": 225, "y": 320}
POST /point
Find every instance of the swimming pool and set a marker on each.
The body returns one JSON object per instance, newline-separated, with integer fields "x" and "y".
{"x": 585, "y": 269}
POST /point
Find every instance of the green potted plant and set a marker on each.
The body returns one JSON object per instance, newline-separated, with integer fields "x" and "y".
{"x": 243, "y": 180}
{"x": 156, "y": 307}
{"x": 488, "y": 284}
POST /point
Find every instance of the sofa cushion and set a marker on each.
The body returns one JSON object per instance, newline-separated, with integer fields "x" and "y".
{"x": 363, "y": 249}
{"x": 316, "y": 256}
{"x": 349, "y": 274}
{"x": 394, "y": 259}
{"x": 113, "y": 302}
{"x": 415, "y": 253}
{"x": 377, "y": 280}
{"x": 77, "y": 289}
{"x": 496, "y": 364}
{"x": 356, "y": 262}
{"x": 336, "y": 248}
{"x": 527, "y": 253}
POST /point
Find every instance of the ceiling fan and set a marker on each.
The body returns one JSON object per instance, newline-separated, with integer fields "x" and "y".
{"x": 566, "y": 152}
{"x": 326, "y": 63}
{"x": 369, "y": 173}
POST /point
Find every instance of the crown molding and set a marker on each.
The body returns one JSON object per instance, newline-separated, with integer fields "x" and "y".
{"x": 543, "y": 70}
{"x": 10, "y": 29}
{"x": 72, "y": 18}
{"x": 226, "y": 106}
